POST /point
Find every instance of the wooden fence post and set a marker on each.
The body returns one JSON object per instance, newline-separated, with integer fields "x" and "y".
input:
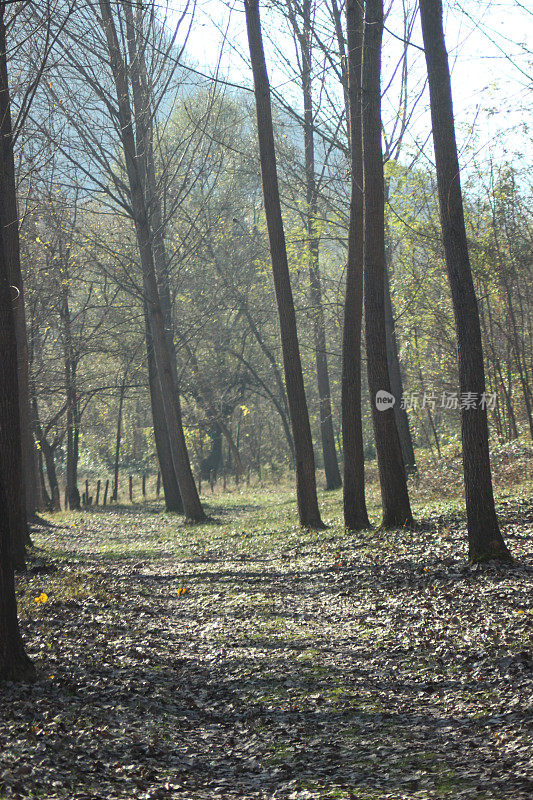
{"x": 105, "y": 492}
{"x": 97, "y": 492}
{"x": 131, "y": 488}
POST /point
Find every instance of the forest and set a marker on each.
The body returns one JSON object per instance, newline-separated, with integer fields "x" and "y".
{"x": 266, "y": 399}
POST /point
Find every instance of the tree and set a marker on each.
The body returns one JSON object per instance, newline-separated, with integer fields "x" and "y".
{"x": 14, "y": 663}
{"x": 355, "y": 513}
{"x": 12, "y": 428}
{"x": 136, "y": 174}
{"x": 484, "y": 538}
{"x": 303, "y": 34}
{"x": 143, "y": 111}
{"x": 308, "y": 511}
{"x": 392, "y": 477}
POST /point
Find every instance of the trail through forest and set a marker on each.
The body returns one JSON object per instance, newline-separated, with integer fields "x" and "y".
{"x": 248, "y": 659}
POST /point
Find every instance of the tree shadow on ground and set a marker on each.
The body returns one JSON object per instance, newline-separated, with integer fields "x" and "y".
{"x": 167, "y": 724}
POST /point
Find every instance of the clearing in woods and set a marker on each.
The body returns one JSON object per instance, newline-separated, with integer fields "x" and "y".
{"x": 249, "y": 659}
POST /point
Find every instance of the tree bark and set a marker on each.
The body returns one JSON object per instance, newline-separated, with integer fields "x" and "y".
{"x": 173, "y": 501}
{"x": 10, "y": 224}
{"x": 14, "y": 663}
{"x": 308, "y": 510}
{"x": 355, "y": 513}
{"x": 136, "y": 179}
{"x": 144, "y": 135}
{"x": 14, "y": 483}
{"x": 72, "y": 491}
{"x": 48, "y": 451}
{"x": 122, "y": 392}
{"x": 484, "y": 538}
{"x": 394, "y": 494}
{"x": 331, "y": 466}
{"x": 393, "y": 361}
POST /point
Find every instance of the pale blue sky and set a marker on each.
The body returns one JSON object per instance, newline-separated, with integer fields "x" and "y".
{"x": 487, "y": 41}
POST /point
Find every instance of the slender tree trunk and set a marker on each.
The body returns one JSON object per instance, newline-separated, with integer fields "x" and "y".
{"x": 355, "y": 513}
{"x": 331, "y": 467}
{"x": 484, "y": 537}
{"x": 10, "y": 432}
{"x": 394, "y": 494}
{"x": 395, "y": 371}
{"x": 72, "y": 492}
{"x": 48, "y": 451}
{"x": 486, "y": 333}
{"x": 305, "y": 461}
{"x": 173, "y": 501}
{"x": 10, "y": 224}
{"x": 513, "y": 430}
{"x": 122, "y": 392}
{"x": 144, "y": 134}
{"x": 46, "y": 497}
{"x": 345, "y": 65}
{"x": 136, "y": 179}
{"x": 14, "y": 663}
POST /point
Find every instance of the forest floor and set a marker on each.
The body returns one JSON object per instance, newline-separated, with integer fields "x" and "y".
{"x": 249, "y": 659}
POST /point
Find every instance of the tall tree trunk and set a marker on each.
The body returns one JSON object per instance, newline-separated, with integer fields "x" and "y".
{"x": 173, "y": 501}
{"x": 134, "y": 163}
{"x": 46, "y": 497}
{"x": 72, "y": 492}
{"x": 48, "y": 451}
{"x": 122, "y": 392}
{"x": 394, "y": 494}
{"x": 513, "y": 430}
{"x": 484, "y": 537}
{"x": 144, "y": 129}
{"x": 393, "y": 361}
{"x": 14, "y": 663}
{"x": 345, "y": 66}
{"x": 303, "y": 446}
{"x": 10, "y": 225}
{"x": 142, "y": 104}
{"x": 14, "y": 484}
{"x": 355, "y": 513}
{"x": 331, "y": 467}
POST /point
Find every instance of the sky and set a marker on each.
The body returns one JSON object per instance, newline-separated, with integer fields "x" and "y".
{"x": 487, "y": 42}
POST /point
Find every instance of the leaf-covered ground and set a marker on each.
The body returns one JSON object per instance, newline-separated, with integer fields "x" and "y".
{"x": 249, "y": 659}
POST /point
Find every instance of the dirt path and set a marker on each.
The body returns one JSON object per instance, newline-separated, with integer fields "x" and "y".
{"x": 246, "y": 659}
